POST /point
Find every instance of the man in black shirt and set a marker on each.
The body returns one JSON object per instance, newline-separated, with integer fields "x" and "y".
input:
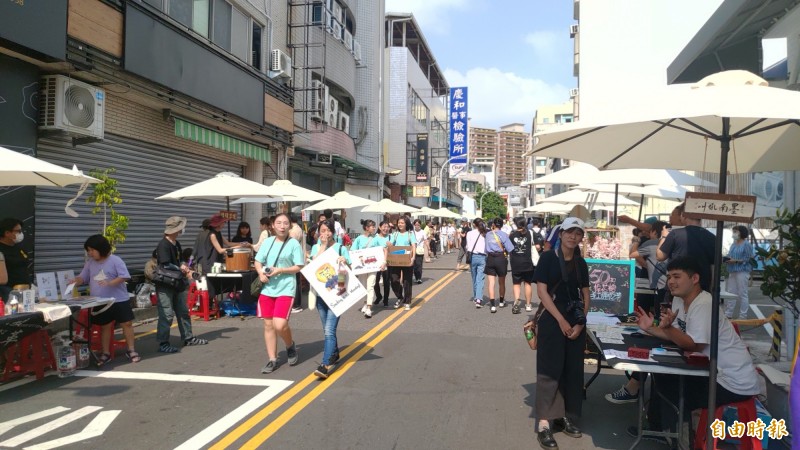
{"x": 14, "y": 259}
{"x": 691, "y": 240}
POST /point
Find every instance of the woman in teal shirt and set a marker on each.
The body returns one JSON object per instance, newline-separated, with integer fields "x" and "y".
{"x": 403, "y": 237}
{"x": 329, "y": 320}
{"x": 369, "y": 240}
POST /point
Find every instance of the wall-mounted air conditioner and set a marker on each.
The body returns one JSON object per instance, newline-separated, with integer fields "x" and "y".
{"x": 344, "y": 122}
{"x": 357, "y": 50}
{"x": 319, "y": 96}
{"x": 281, "y": 64}
{"x": 573, "y": 30}
{"x": 72, "y": 106}
{"x": 337, "y": 30}
{"x": 337, "y": 12}
{"x": 573, "y": 92}
{"x": 348, "y": 40}
{"x": 332, "y": 111}
{"x": 323, "y": 158}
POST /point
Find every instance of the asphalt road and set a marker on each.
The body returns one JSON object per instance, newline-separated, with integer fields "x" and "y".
{"x": 444, "y": 375}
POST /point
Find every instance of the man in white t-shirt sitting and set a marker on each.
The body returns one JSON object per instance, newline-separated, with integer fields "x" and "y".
{"x": 688, "y": 325}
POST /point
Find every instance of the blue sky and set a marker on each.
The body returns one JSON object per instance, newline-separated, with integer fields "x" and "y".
{"x": 514, "y": 62}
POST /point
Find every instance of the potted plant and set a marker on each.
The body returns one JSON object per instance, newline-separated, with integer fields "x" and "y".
{"x": 782, "y": 270}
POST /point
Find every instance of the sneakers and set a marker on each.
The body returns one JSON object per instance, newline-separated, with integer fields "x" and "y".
{"x": 194, "y": 341}
{"x": 297, "y": 309}
{"x": 528, "y": 308}
{"x": 621, "y": 396}
{"x": 493, "y": 309}
{"x": 291, "y": 354}
{"x": 502, "y": 303}
{"x": 633, "y": 431}
{"x": 407, "y": 307}
{"x": 363, "y": 309}
{"x": 478, "y": 304}
{"x": 397, "y": 304}
{"x": 515, "y": 308}
{"x": 418, "y": 281}
{"x": 165, "y": 347}
{"x": 367, "y": 312}
{"x": 324, "y": 371}
{"x": 270, "y": 366}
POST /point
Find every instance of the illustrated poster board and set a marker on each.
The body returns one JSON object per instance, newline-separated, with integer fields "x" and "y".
{"x": 64, "y": 285}
{"x": 611, "y": 285}
{"x": 322, "y": 274}
{"x": 367, "y": 260}
{"x": 47, "y": 285}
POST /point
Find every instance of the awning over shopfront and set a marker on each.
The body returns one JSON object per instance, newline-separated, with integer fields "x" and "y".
{"x": 196, "y": 133}
{"x": 435, "y": 200}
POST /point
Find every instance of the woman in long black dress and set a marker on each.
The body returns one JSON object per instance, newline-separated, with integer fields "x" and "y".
{"x": 562, "y": 282}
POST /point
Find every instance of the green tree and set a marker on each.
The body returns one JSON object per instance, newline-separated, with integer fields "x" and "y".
{"x": 493, "y": 205}
{"x": 105, "y": 196}
{"x": 782, "y": 264}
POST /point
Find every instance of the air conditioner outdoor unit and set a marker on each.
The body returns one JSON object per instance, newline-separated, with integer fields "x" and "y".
{"x": 348, "y": 40}
{"x": 324, "y": 158}
{"x": 337, "y": 12}
{"x": 344, "y": 122}
{"x": 337, "y": 30}
{"x": 573, "y": 92}
{"x": 357, "y": 50}
{"x": 332, "y": 111}
{"x": 319, "y": 95}
{"x": 573, "y": 30}
{"x": 281, "y": 64}
{"x": 72, "y": 106}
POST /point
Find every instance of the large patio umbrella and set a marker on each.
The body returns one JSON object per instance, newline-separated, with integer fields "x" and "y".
{"x": 288, "y": 191}
{"x": 579, "y": 197}
{"x": 552, "y": 208}
{"x": 388, "y": 206}
{"x": 225, "y": 185}
{"x": 19, "y": 169}
{"x": 340, "y": 200}
{"x": 575, "y": 174}
{"x": 676, "y": 193}
{"x": 757, "y": 127}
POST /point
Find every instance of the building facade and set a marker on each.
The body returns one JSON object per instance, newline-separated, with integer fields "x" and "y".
{"x": 166, "y": 93}
{"x": 512, "y": 143}
{"x": 547, "y": 117}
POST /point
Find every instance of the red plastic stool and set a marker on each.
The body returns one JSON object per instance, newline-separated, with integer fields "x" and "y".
{"x": 745, "y": 411}
{"x": 96, "y": 337}
{"x": 199, "y": 298}
{"x": 33, "y": 353}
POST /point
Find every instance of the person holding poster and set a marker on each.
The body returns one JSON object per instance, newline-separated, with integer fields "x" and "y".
{"x": 329, "y": 320}
{"x": 383, "y": 233}
{"x": 403, "y": 237}
{"x": 279, "y": 258}
{"x": 370, "y": 240}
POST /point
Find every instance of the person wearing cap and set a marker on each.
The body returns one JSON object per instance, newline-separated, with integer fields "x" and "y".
{"x": 562, "y": 282}
{"x": 172, "y": 300}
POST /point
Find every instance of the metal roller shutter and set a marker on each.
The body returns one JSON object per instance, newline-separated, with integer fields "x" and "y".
{"x": 144, "y": 172}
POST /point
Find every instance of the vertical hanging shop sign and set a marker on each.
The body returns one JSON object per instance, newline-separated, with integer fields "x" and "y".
{"x": 422, "y": 157}
{"x": 458, "y": 130}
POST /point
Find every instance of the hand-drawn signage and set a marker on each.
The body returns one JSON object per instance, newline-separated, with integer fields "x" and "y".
{"x": 611, "y": 285}
{"x": 735, "y": 208}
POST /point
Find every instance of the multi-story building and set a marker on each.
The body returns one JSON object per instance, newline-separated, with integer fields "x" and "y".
{"x": 547, "y": 117}
{"x": 415, "y": 137}
{"x": 512, "y": 143}
{"x": 482, "y": 156}
{"x": 168, "y": 93}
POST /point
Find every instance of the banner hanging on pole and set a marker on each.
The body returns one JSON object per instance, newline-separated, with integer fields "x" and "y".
{"x": 459, "y": 127}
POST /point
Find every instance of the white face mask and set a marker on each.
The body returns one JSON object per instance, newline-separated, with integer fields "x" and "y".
{"x": 19, "y": 237}
{"x": 735, "y": 235}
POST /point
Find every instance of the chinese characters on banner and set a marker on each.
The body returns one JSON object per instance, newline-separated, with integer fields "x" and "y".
{"x": 422, "y": 157}
{"x": 734, "y": 208}
{"x": 458, "y": 130}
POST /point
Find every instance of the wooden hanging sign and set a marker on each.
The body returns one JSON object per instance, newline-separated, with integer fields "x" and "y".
{"x": 726, "y": 207}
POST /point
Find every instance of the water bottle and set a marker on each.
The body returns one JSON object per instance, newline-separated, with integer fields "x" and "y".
{"x": 13, "y": 304}
{"x": 82, "y": 352}
{"x": 529, "y": 334}
{"x": 66, "y": 360}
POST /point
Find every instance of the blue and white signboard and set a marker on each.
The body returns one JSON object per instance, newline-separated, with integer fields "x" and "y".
{"x": 458, "y": 130}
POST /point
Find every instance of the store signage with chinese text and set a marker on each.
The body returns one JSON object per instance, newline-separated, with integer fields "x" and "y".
{"x": 733, "y": 208}
{"x": 422, "y": 191}
{"x": 459, "y": 131}
{"x": 422, "y": 157}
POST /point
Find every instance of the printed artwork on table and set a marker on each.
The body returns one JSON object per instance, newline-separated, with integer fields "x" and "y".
{"x": 47, "y": 285}
{"x": 64, "y": 278}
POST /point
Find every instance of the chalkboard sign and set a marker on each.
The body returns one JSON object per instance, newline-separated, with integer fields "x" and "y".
{"x": 611, "y": 284}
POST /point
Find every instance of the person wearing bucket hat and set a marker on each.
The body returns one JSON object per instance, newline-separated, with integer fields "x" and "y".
{"x": 172, "y": 299}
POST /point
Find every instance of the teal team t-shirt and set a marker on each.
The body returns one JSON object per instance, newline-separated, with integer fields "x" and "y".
{"x": 339, "y": 248}
{"x": 292, "y": 255}
{"x": 402, "y": 239}
{"x": 374, "y": 241}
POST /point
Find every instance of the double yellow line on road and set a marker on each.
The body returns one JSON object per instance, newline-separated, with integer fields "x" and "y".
{"x": 395, "y": 319}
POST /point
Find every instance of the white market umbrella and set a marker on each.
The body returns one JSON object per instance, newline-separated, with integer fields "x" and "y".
{"x": 447, "y": 214}
{"x": 340, "y": 200}
{"x": 424, "y": 211}
{"x": 575, "y": 174}
{"x": 388, "y": 206}
{"x": 579, "y": 197}
{"x": 676, "y": 193}
{"x": 757, "y": 128}
{"x": 551, "y": 208}
{"x": 19, "y": 169}
{"x": 286, "y": 190}
{"x": 645, "y": 177}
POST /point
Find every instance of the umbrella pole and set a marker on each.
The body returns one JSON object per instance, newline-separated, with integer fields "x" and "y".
{"x": 616, "y": 200}
{"x": 641, "y": 206}
{"x": 228, "y": 208}
{"x": 725, "y": 146}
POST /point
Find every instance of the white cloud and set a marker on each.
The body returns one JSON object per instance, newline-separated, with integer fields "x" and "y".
{"x": 545, "y": 43}
{"x": 499, "y": 98}
{"x": 432, "y": 15}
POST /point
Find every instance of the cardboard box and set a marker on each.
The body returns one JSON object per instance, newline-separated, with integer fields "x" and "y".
{"x": 400, "y": 256}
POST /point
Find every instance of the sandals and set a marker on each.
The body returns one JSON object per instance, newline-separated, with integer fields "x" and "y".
{"x": 133, "y": 356}
{"x": 195, "y": 341}
{"x": 166, "y": 348}
{"x": 103, "y": 358}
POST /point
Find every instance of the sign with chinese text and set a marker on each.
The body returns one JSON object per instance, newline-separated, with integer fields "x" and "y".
{"x": 611, "y": 285}
{"x": 734, "y": 208}
{"x": 230, "y": 215}
{"x": 422, "y": 157}
{"x": 459, "y": 131}
{"x": 422, "y": 191}
{"x": 336, "y": 285}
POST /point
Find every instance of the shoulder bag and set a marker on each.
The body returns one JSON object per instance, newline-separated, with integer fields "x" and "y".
{"x": 534, "y": 252}
{"x": 170, "y": 276}
{"x": 257, "y": 284}
{"x": 469, "y": 253}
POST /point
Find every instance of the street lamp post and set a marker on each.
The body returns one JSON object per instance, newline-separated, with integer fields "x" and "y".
{"x": 441, "y": 178}
{"x": 480, "y": 201}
